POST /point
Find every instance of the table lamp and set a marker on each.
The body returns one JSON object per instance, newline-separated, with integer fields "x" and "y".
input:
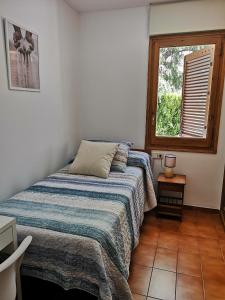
{"x": 169, "y": 163}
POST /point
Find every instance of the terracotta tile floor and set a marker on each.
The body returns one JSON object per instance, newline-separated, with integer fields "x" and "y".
{"x": 180, "y": 260}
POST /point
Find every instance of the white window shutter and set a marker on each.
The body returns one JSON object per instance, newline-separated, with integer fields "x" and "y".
{"x": 196, "y": 92}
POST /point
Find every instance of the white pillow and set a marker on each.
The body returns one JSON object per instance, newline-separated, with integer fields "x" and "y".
{"x": 94, "y": 158}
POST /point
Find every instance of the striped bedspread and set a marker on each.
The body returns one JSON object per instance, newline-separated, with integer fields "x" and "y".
{"x": 84, "y": 228}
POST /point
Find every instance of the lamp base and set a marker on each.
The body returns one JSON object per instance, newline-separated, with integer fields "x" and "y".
{"x": 168, "y": 172}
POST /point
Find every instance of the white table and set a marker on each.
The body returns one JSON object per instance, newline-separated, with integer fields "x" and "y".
{"x": 8, "y": 242}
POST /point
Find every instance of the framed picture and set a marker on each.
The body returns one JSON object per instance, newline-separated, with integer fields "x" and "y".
{"x": 22, "y": 57}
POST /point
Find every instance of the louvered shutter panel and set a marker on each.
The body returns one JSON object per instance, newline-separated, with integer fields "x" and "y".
{"x": 196, "y": 92}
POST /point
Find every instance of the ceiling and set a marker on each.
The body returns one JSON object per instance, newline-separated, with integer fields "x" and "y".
{"x": 93, "y": 5}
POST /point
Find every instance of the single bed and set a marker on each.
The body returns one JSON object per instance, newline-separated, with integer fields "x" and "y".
{"x": 84, "y": 228}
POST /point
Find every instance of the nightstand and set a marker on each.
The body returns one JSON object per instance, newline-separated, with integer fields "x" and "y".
{"x": 171, "y": 195}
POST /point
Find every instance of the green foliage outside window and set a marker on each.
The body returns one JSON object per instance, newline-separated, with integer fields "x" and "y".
{"x": 168, "y": 115}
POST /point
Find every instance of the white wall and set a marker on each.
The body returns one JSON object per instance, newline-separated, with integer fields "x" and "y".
{"x": 39, "y": 131}
{"x": 114, "y": 47}
{"x": 114, "y": 57}
{"x": 187, "y": 16}
{"x": 69, "y": 42}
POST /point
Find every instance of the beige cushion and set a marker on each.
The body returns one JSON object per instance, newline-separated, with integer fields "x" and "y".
{"x": 94, "y": 158}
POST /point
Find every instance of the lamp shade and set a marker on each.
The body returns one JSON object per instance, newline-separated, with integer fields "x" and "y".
{"x": 170, "y": 160}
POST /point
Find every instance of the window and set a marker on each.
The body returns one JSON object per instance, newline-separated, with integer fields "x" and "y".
{"x": 185, "y": 88}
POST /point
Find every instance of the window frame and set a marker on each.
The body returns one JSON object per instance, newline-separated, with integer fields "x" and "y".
{"x": 186, "y": 144}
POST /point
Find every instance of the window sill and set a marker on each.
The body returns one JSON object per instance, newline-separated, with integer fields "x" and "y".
{"x": 181, "y": 149}
{"x": 180, "y": 136}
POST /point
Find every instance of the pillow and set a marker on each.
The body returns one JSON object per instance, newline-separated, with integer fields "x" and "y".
{"x": 119, "y": 163}
{"x": 94, "y": 158}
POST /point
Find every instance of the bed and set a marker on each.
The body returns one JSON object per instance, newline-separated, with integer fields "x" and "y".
{"x": 84, "y": 228}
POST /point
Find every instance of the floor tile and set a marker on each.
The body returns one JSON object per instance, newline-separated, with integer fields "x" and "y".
{"x": 214, "y": 278}
{"x": 169, "y": 225}
{"x": 189, "y": 288}
{"x": 188, "y": 244}
{"x": 148, "y": 240}
{"x": 144, "y": 255}
{"x": 168, "y": 240}
{"x": 189, "y": 215}
{"x": 151, "y": 232}
{"x": 138, "y": 297}
{"x": 151, "y": 219}
{"x": 219, "y": 227}
{"x": 220, "y": 233}
{"x": 189, "y": 264}
{"x": 214, "y": 290}
{"x": 210, "y": 247}
{"x": 222, "y": 246}
{"x": 139, "y": 279}
{"x": 207, "y": 231}
{"x": 213, "y": 269}
{"x": 189, "y": 228}
{"x": 211, "y": 219}
{"x": 162, "y": 285}
{"x": 166, "y": 259}
{"x": 222, "y": 242}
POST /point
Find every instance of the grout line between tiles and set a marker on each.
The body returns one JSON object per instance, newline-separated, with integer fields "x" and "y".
{"x": 176, "y": 272}
{"x": 152, "y": 266}
{"x": 221, "y": 249}
{"x": 203, "y": 281}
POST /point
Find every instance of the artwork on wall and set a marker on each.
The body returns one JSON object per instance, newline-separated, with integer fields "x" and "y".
{"x": 22, "y": 57}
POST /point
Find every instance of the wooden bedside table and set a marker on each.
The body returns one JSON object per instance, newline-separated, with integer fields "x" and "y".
{"x": 170, "y": 195}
